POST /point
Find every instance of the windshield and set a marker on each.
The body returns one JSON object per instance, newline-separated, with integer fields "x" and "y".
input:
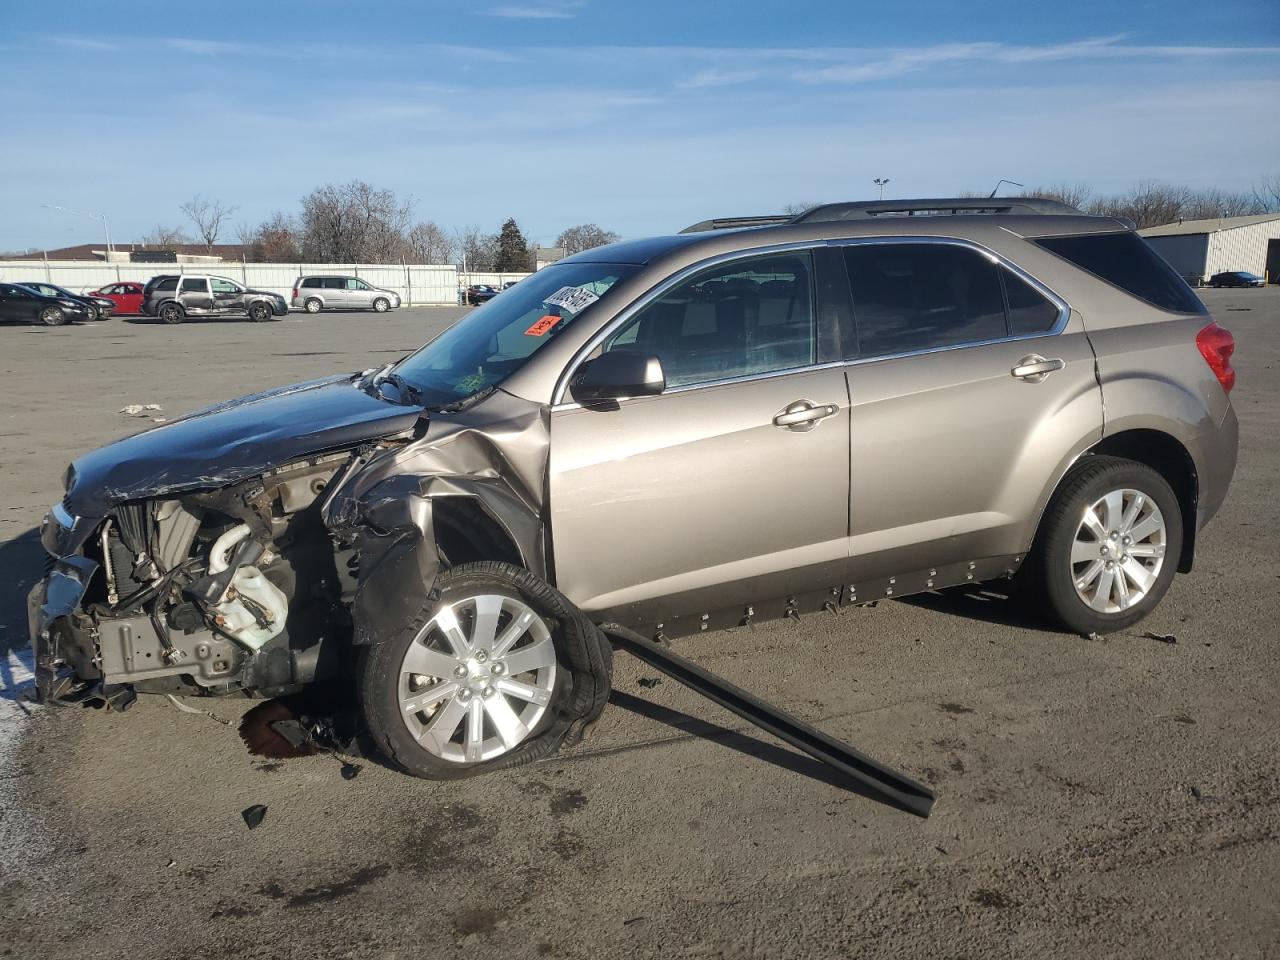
{"x": 495, "y": 340}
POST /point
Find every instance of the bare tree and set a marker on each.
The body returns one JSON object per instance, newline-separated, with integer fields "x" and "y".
{"x": 209, "y": 217}
{"x": 1148, "y": 204}
{"x": 585, "y": 236}
{"x": 795, "y": 209}
{"x": 1075, "y": 195}
{"x": 477, "y": 250}
{"x": 1214, "y": 203}
{"x": 354, "y": 223}
{"x": 277, "y": 239}
{"x": 427, "y": 243}
{"x": 164, "y": 237}
{"x": 1267, "y": 194}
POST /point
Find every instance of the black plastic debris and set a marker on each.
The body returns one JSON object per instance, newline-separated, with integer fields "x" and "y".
{"x": 253, "y": 816}
{"x": 1160, "y": 637}
{"x": 649, "y": 682}
{"x": 350, "y": 771}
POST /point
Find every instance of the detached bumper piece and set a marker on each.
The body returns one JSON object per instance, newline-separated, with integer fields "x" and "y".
{"x": 892, "y": 787}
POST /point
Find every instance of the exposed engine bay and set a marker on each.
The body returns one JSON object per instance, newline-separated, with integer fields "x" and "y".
{"x": 195, "y": 593}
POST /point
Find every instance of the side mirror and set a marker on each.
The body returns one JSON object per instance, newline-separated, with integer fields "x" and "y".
{"x": 619, "y": 374}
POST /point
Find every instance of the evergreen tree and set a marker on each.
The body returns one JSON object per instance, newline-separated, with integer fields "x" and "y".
{"x": 513, "y": 250}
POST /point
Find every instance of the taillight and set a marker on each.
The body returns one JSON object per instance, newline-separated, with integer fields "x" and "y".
{"x": 295, "y": 293}
{"x": 1217, "y": 345}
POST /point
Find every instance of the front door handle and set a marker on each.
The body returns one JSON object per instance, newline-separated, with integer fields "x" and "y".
{"x": 1034, "y": 368}
{"x": 804, "y": 415}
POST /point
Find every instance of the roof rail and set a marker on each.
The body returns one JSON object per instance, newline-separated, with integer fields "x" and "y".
{"x": 733, "y": 223}
{"x": 869, "y": 209}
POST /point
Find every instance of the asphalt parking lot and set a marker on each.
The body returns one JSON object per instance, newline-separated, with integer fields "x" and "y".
{"x": 1113, "y": 797}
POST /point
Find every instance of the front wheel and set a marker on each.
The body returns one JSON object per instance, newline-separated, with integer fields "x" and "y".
{"x": 381, "y": 305}
{"x": 1108, "y": 546}
{"x": 493, "y": 673}
{"x": 259, "y": 312}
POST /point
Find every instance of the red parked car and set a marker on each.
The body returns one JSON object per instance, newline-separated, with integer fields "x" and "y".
{"x": 126, "y": 296}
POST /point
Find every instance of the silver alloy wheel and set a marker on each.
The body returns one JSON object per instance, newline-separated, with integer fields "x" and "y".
{"x": 381, "y": 305}
{"x": 313, "y": 305}
{"x": 51, "y": 316}
{"x": 477, "y": 678}
{"x": 1118, "y": 550}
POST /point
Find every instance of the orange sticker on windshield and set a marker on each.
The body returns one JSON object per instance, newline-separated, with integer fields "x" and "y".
{"x": 542, "y": 326}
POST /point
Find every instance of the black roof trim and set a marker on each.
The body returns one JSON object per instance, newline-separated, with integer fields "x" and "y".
{"x": 735, "y": 223}
{"x": 947, "y": 206}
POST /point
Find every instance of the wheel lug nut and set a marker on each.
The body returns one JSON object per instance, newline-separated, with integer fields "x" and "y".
{"x": 464, "y": 695}
{"x": 1110, "y": 564}
{"x": 481, "y": 656}
{"x": 486, "y": 691}
{"x": 460, "y": 671}
{"x": 497, "y": 669}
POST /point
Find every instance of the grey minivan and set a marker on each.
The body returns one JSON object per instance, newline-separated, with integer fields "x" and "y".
{"x": 678, "y": 434}
{"x": 314, "y": 294}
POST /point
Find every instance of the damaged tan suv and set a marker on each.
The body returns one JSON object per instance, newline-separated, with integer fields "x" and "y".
{"x": 750, "y": 419}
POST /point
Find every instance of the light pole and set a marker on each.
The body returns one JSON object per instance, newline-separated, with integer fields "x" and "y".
{"x": 1012, "y": 183}
{"x": 880, "y": 182}
{"x": 92, "y": 216}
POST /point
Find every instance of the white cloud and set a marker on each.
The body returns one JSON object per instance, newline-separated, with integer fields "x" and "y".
{"x": 81, "y": 43}
{"x": 549, "y": 10}
{"x": 719, "y": 78}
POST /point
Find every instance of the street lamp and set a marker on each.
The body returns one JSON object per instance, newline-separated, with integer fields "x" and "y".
{"x": 880, "y": 182}
{"x": 81, "y": 213}
{"x": 1012, "y": 183}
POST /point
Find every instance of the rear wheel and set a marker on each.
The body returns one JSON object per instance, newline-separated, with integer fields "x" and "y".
{"x": 259, "y": 312}
{"x": 53, "y": 317}
{"x": 1108, "y": 546}
{"x": 313, "y": 305}
{"x": 172, "y": 313}
{"x": 381, "y": 305}
{"x": 493, "y": 673}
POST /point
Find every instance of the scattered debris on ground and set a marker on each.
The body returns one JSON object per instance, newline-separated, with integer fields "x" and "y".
{"x": 1161, "y": 637}
{"x": 649, "y": 682}
{"x": 254, "y": 815}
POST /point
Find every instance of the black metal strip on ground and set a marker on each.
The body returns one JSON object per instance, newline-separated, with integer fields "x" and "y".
{"x": 892, "y": 787}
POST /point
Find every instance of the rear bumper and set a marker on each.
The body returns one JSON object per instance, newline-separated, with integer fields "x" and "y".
{"x": 1218, "y": 452}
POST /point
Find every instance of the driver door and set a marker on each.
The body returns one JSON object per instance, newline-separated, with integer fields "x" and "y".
{"x": 730, "y": 487}
{"x": 228, "y": 297}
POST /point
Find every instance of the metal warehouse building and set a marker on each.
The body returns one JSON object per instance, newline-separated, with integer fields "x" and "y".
{"x": 1198, "y": 249}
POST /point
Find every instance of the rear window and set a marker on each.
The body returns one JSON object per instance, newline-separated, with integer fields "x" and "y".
{"x": 1126, "y": 261}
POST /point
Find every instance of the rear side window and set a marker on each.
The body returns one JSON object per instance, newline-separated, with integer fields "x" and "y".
{"x": 167, "y": 286}
{"x": 920, "y": 296}
{"x": 311, "y": 282}
{"x": 1126, "y": 261}
{"x": 1030, "y": 311}
{"x": 335, "y": 283}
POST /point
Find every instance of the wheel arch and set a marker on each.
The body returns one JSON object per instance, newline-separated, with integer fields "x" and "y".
{"x": 466, "y": 532}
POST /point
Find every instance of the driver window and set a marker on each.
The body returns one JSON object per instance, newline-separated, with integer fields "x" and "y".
{"x": 355, "y": 284}
{"x": 743, "y": 318}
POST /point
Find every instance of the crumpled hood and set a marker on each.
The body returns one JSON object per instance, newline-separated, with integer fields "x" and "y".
{"x": 232, "y": 441}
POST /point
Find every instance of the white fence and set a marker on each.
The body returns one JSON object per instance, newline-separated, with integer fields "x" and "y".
{"x": 416, "y": 283}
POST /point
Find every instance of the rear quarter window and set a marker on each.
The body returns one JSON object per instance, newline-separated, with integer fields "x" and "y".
{"x": 1126, "y": 261}
{"x": 311, "y": 282}
{"x": 167, "y": 286}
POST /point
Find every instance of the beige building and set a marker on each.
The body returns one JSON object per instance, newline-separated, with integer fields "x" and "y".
{"x": 1198, "y": 249}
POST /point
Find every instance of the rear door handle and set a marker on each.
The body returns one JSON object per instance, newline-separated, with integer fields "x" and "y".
{"x": 1034, "y": 368}
{"x": 804, "y": 415}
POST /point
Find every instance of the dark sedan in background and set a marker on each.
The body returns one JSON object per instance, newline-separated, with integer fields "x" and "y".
{"x": 96, "y": 308}
{"x": 18, "y": 302}
{"x": 1236, "y": 278}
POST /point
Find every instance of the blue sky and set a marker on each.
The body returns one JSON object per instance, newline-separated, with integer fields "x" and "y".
{"x": 640, "y": 116}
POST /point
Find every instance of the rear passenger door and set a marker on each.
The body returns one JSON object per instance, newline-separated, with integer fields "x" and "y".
{"x": 195, "y": 296}
{"x": 731, "y": 487}
{"x": 969, "y": 385}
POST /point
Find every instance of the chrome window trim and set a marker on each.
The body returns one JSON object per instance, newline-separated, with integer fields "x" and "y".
{"x": 653, "y": 293}
{"x": 558, "y": 402}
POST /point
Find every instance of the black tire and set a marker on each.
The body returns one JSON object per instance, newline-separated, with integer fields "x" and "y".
{"x": 313, "y": 305}
{"x": 259, "y": 312}
{"x": 381, "y": 305}
{"x": 584, "y": 671}
{"x": 171, "y": 312}
{"x": 52, "y": 317}
{"x": 91, "y": 312}
{"x": 1046, "y": 580}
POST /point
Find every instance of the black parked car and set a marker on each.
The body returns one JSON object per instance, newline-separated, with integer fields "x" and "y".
{"x": 99, "y": 308}
{"x": 1236, "y": 278}
{"x": 22, "y": 303}
{"x": 478, "y": 293}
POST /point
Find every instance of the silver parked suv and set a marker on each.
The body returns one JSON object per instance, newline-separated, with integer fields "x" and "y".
{"x": 755, "y": 418}
{"x": 314, "y": 294}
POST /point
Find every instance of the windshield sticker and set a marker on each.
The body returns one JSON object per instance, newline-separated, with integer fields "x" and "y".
{"x": 543, "y": 324}
{"x": 572, "y": 299}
